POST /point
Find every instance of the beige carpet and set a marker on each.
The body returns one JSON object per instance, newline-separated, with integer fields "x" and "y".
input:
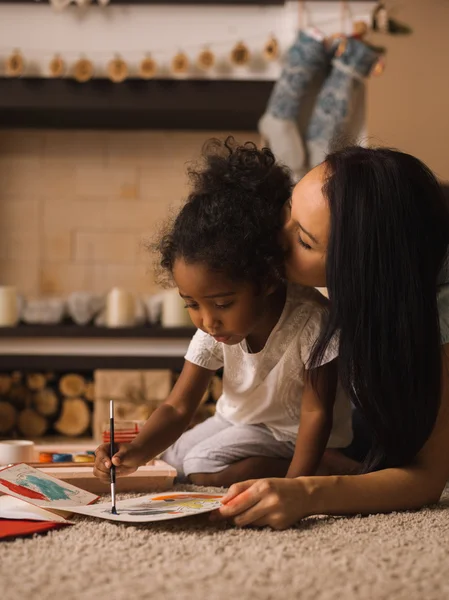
{"x": 402, "y": 556}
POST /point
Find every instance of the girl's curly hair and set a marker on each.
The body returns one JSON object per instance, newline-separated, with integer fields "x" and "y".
{"x": 232, "y": 219}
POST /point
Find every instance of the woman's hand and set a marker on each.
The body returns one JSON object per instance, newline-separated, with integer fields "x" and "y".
{"x": 278, "y": 503}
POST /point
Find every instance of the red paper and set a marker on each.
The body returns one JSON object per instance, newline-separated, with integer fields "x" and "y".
{"x": 14, "y": 527}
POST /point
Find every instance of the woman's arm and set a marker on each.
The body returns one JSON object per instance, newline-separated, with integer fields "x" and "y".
{"x": 394, "y": 489}
{"x": 315, "y": 422}
{"x": 280, "y": 503}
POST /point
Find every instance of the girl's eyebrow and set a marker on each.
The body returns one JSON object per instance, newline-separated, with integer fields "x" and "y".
{"x": 222, "y": 295}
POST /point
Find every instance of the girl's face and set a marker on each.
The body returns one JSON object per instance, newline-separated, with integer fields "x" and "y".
{"x": 307, "y": 231}
{"x": 226, "y": 310}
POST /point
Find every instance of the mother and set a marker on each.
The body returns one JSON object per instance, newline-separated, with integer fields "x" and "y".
{"x": 373, "y": 226}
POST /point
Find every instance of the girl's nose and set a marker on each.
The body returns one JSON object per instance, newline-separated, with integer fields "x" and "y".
{"x": 211, "y": 323}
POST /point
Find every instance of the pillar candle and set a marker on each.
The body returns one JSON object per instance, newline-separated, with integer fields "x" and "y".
{"x": 9, "y": 313}
{"x": 174, "y": 313}
{"x": 120, "y": 308}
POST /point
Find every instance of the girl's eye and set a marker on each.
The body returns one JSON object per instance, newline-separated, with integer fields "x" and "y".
{"x": 303, "y": 244}
{"x": 191, "y": 306}
{"x": 223, "y": 306}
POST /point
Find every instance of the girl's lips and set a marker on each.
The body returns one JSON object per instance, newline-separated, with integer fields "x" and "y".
{"x": 222, "y": 338}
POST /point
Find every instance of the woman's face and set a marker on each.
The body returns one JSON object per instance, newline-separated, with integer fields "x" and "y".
{"x": 307, "y": 231}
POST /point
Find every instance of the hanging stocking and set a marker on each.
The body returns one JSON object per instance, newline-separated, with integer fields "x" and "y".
{"x": 278, "y": 126}
{"x": 333, "y": 104}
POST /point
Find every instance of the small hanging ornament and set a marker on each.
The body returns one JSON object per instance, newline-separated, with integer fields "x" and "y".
{"x": 15, "y": 65}
{"x": 341, "y": 46}
{"x": 271, "y": 50}
{"x": 205, "y": 60}
{"x": 180, "y": 63}
{"x": 359, "y": 30}
{"x": 380, "y": 18}
{"x": 83, "y": 70}
{"x": 240, "y": 55}
{"x": 56, "y": 66}
{"x": 379, "y": 67}
{"x": 117, "y": 70}
{"x": 147, "y": 68}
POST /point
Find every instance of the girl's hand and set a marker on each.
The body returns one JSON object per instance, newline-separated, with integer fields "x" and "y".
{"x": 278, "y": 503}
{"x": 126, "y": 460}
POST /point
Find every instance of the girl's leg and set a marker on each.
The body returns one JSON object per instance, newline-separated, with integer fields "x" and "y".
{"x": 176, "y": 454}
{"x": 237, "y": 453}
{"x": 256, "y": 467}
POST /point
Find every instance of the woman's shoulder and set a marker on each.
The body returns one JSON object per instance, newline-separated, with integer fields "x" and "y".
{"x": 307, "y": 297}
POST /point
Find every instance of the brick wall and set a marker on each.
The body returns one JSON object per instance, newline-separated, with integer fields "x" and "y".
{"x": 75, "y": 206}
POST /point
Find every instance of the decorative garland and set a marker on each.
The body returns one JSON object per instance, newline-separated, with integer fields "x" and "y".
{"x": 118, "y": 69}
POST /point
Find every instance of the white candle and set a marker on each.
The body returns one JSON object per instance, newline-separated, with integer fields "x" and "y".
{"x": 174, "y": 313}
{"x": 9, "y": 312}
{"x": 16, "y": 451}
{"x": 120, "y": 308}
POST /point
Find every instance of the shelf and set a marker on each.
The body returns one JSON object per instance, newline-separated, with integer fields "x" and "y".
{"x": 133, "y": 104}
{"x": 161, "y": 2}
{"x": 90, "y": 331}
{"x": 71, "y": 347}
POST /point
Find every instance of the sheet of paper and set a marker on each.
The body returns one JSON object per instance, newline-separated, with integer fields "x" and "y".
{"x": 13, "y": 508}
{"x": 154, "y": 507}
{"x": 33, "y": 486}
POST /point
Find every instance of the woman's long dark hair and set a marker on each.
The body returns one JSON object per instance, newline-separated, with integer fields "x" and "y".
{"x": 389, "y": 235}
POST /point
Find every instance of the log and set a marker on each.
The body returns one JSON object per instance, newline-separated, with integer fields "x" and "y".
{"x": 16, "y": 376}
{"x": 8, "y": 417}
{"x": 20, "y": 396}
{"x": 46, "y": 402}
{"x": 216, "y": 388}
{"x": 31, "y": 424}
{"x": 72, "y": 385}
{"x": 36, "y": 381}
{"x": 75, "y": 417}
{"x": 5, "y": 384}
{"x": 89, "y": 392}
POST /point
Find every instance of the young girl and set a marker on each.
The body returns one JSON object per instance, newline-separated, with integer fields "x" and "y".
{"x": 224, "y": 255}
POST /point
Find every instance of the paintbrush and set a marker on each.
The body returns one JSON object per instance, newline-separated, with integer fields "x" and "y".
{"x": 112, "y": 452}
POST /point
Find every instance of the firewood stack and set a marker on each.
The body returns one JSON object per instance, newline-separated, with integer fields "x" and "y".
{"x": 33, "y": 405}
{"x": 36, "y": 405}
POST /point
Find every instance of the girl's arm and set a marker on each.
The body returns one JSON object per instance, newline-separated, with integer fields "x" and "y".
{"x": 172, "y": 418}
{"x": 164, "y": 426}
{"x": 281, "y": 502}
{"x": 315, "y": 420}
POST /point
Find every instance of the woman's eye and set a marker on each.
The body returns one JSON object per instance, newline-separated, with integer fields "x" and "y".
{"x": 191, "y": 306}
{"x": 303, "y": 244}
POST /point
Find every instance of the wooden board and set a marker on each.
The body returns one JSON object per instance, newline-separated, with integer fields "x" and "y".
{"x": 156, "y": 476}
